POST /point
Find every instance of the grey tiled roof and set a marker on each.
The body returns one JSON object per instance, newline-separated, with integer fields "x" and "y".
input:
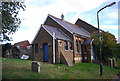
{"x": 71, "y": 27}
{"x": 88, "y": 41}
{"x": 58, "y": 33}
{"x": 86, "y": 26}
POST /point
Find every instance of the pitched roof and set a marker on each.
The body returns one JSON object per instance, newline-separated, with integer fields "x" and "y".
{"x": 86, "y": 26}
{"x": 71, "y": 27}
{"x": 88, "y": 41}
{"x": 22, "y": 43}
{"x": 58, "y": 33}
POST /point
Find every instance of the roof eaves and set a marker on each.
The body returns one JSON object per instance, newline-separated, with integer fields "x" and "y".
{"x": 64, "y": 39}
{"x": 42, "y": 26}
{"x": 89, "y": 42}
{"x": 81, "y": 35}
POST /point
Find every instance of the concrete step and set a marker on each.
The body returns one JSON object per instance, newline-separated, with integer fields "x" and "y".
{"x": 66, "y": 60}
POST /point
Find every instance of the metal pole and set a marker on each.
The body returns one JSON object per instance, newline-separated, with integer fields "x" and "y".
{"x": 99, "y": 36}
{"x": 99, "y": 42}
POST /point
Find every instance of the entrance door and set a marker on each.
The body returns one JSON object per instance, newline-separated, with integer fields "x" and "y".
{"x": 45, "y": 52}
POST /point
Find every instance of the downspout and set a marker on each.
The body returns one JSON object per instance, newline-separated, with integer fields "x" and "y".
{"x": 74, "y": 48}
{"x": 53, "y": 48}
{"x": 92, "y": 57}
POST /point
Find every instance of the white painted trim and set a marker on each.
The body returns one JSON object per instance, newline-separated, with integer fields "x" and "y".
{"x": 53, "y": 48}
{"x": 92, "y": 41}
{"x": 47, "y": 31}
{"x": 71, "y": 50}
{"x": 67, "y": 50}
{"x": 42, "y": 26}
{"x": 82, "y": 41}
{"x": 92, "y": 49}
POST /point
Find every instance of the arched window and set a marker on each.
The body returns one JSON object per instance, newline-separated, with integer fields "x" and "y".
{"x": 77, "y": 46}
{"x": 71, "y": 46}
{"x": 80, "y": 47}
{"x": 66, "y": 45}
{"x": 36, "y": 48}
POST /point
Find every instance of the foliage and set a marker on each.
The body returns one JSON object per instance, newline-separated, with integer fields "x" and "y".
{"x": 11, "y": 48}
{"x": 10, "y": 21}
{"x": 5, "y": 47}
{"x": 108, "y": 45}
{"x": 118, "y": 64}
{"x": 21, "y": 69}
{"x": 107, "y": 39}
{"x": 115, "y": 50}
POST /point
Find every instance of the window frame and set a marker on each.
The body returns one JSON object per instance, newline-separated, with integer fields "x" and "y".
{"x": 71, "y": 46}
{"x": 77, "y": 46}
{"x": 66, "y": 45}
{"x": 36, "y": 48}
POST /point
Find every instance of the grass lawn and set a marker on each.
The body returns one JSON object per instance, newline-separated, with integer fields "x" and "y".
{"x": 21, "y": 69}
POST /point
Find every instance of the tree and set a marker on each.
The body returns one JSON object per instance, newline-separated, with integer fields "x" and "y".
{"x": 10, "y": 21}
{"x": 5, "y": 47}
{"x": 11, "y": 48}
{"x": 15, "y": 51}
{"x": 108, "y": 45}
{"x": 115, "y": 50}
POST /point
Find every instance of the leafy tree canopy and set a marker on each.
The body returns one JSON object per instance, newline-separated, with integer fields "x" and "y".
{"x": 10, "y": 21}
{"x": 107, "y": 39}
{"x": 15, "y": 51}
{"x": 108, "y": 45}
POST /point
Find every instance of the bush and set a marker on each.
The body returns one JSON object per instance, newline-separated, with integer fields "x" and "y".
{"x": 13, "y": 50}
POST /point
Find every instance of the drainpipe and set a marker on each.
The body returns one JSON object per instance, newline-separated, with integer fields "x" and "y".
{"x": 53, "y": 48}
{"x": 92, "y": 50}
{"x": 74, "y": 47}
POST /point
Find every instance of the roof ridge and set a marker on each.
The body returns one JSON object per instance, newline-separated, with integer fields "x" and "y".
{"x": 63, "y": 20}
{"x": 71, "y": 23}
{"x": 86, "y": 22}
{"x": 21, "y": 42}
{"x": 58, "y": 22}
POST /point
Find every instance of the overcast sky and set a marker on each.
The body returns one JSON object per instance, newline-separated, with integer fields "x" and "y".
{"x": 37, "y": 11}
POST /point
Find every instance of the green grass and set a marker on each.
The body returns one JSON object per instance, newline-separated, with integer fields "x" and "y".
{"x": 21, "y": 69}
{"x": 118, "y": 64}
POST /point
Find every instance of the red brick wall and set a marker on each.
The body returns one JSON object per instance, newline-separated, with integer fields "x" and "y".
{"x": 42, "y": 38}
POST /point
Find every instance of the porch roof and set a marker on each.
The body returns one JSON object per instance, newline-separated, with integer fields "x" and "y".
{"x": 88, "y": 41}
{"x": 58, "y": 33}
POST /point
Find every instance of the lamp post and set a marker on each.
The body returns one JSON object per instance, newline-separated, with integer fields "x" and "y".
{"x": 99, "y": 34}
